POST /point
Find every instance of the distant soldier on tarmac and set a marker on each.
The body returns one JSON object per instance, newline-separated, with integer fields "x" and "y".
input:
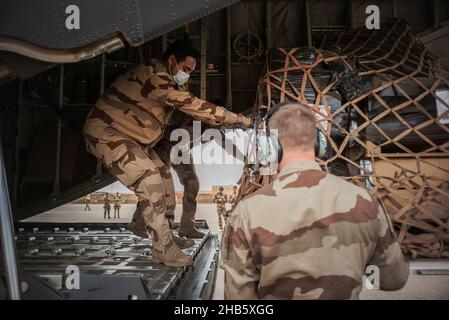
{"x": 117, "y": 205}
{"x": 233, "y": 195}
{"x": 220, "y": 199}
{"x": 232, "y": 198}
{"x": 107, "y": 206}
{"x": 86, "y": 202}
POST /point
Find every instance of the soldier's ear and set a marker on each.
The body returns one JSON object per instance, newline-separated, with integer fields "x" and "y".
{"x": 168, "y": 62}
{"x": 171, "y": 59}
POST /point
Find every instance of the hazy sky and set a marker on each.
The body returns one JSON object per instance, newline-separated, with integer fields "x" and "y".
{"x": 208, "y": 174}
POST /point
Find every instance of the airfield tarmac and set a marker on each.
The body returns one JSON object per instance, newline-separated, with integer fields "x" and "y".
{"x": 433, "y": 284}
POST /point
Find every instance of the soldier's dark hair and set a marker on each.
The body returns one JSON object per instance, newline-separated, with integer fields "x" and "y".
{"x": 181, "y": 48}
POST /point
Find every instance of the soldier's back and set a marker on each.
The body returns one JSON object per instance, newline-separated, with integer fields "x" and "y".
{"x": 312, "y": 234}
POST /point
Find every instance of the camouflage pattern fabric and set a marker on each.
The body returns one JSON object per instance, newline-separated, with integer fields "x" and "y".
{"x": 232, "y": 198}
{"x": 186, "y": 174}
{"x": 107, "y": 207}
{"x": 220, "y": 199}
{"x": 137, "y": 224}
{"x": 138, "y": 106}
{"x": 142, "y": 171}
{"x": 185, "y": 171}
{"x": 189, "y": 179}
{"x": 127, "y": 122}
{"x": 309, "y": 235}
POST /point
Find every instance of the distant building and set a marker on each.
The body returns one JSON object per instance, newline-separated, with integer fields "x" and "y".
{"x": 130, "y": 198}
{"x": 98, "y": 198}
{"x": 227, "y": 188}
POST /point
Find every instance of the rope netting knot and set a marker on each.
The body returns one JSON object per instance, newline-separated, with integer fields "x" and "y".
{"x": 382, "y": 101}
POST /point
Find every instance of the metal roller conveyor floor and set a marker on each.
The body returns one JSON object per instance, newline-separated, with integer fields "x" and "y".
{"x": 113, "y": 263}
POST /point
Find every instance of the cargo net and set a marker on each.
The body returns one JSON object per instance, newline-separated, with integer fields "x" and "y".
{"x": 382, "y": 101}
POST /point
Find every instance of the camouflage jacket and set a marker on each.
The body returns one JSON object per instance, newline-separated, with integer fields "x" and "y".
{"x": 309, "y": 235}
{"x": 220, "y": 199}
{"x": 232, "y": 198}
{"x": 139, "y": 104}
{"x": 107, "y": 201}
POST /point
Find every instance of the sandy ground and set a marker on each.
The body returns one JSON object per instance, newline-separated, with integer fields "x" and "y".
{"x": 419, "y": 287}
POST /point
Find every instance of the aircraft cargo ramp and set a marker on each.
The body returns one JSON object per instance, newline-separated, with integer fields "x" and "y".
{"x": 108, "y": 256}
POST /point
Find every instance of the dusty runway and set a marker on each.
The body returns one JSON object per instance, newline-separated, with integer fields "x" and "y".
{"x": 421, "y": 287}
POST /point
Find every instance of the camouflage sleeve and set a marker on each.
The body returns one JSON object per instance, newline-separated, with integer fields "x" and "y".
{"x": 241, "y": 274}
{"x": 388, "y": 257}
{"x": 186, "y": 102}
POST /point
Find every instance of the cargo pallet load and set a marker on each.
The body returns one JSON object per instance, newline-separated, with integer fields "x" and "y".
{"x": 382, "y": 101}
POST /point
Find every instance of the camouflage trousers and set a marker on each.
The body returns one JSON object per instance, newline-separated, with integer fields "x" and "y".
{"x": 221, "y": 213}
{"x": 107, "y": 210}
{"x": 188, "y": 178}
{"x": 117, "y": 211}
{"x": 142, "y": 171}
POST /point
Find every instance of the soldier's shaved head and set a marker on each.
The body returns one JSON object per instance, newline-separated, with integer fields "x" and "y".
{"x": 296, "y": 126}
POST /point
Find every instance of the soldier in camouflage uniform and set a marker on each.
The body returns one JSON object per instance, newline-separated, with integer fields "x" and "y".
{"x": 308, "y": 234}
{"x": 232, "y": 198}
{"x": 117, "y": 205}
{"x": 87, "y": 202}
{"x": 126, "y": 123}
{"x": 187, "y": 176}
{"x": 107, "y": 206}
{"x": 220, "y": 199}
{"x": 233, "y": 195}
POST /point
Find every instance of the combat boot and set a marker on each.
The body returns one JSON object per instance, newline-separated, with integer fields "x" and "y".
{"x": 190, "y": 232}
{"x": 182, "y": 242}
{"x": 138, "y": 229}
{"x": 172, "y": 256}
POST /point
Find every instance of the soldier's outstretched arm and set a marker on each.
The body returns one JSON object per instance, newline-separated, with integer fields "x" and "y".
{"x": 158, "y": 88}
{"x": 388, "y": 257}
{"x": 241, "y": 274}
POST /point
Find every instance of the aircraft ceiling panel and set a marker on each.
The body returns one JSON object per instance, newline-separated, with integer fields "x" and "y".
{"x": 46, "y": 24}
